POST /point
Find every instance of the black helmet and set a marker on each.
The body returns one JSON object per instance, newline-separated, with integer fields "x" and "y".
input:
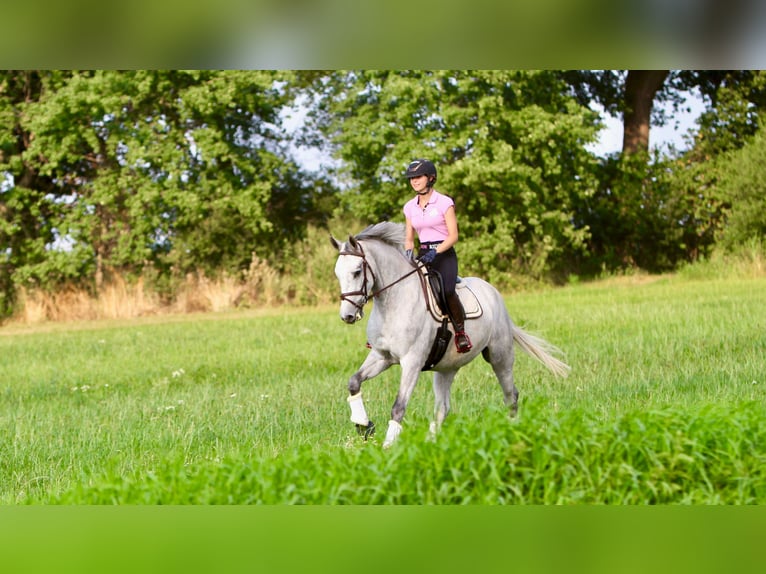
{"x": 420, "y": 167}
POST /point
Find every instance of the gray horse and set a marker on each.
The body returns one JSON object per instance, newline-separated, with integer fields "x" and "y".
{"x": 401, "y": 328}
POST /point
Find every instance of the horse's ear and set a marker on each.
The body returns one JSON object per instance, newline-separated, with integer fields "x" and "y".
{"x": 335, "y": 243}
{"x": 353, "y": 242}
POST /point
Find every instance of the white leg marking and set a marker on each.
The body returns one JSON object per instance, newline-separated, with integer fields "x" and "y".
{"x": 394, "y": 428}
{"x": 358, "y": 414}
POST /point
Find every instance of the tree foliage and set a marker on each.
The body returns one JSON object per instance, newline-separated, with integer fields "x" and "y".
{"x": 124, "y": 171}
{"x": 743, "y": 185}
{"x": 161, "y": 174}
{"x": 654, "y": 211}
{"x": 509, "y": 147}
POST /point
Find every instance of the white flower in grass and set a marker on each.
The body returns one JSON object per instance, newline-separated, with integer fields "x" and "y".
{"x": 178, "y": 373}
{"x": 232, "y": 395}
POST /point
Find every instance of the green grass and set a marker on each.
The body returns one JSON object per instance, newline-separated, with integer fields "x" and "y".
{"x": 710, "y": 455}
{"x": 665, "y": 404}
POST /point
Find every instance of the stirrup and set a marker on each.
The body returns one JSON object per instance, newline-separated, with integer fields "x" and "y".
{"x": 462, "y": 342}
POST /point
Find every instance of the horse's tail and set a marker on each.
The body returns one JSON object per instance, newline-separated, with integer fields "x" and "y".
{"x": 541, "y": 350}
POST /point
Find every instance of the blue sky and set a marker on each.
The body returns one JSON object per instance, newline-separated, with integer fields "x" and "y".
{"x": 659, "y": 136}
{"x": 610, "y": 140}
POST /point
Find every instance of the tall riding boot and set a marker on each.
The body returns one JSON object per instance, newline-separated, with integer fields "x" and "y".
{"x": 457, "y": 314}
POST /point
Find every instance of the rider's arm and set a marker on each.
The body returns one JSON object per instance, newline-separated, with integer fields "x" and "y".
{"x": 409, "y": 237}
{"x": 451, "y": 220}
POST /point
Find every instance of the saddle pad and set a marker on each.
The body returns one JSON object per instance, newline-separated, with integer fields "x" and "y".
{"x": 470, "y": 302}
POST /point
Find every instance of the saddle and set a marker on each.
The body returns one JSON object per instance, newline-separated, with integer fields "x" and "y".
{"x": 436, "y": 303}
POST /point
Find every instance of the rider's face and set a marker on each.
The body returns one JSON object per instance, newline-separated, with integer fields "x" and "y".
{"x": 419, "y": 183}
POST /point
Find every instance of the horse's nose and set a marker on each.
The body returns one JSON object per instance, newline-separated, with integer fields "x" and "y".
{"x": 348, "y": 317}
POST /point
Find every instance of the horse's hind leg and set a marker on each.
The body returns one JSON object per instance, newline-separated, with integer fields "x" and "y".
{"x": 502, "y": 365}
{"x": 442, "y": 387}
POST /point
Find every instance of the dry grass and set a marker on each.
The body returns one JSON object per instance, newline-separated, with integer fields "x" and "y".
{"x": 117, "y": 300}
{"x": 259, "y": 286}
{"x": 311, "y": 283}
{"x": 308, "y": 281}
{"x": 746, "y": 262}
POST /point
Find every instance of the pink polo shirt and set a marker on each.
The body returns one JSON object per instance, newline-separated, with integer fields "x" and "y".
{"x": 429, "y": 223}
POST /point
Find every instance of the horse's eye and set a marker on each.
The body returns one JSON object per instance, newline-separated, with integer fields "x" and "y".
{"x": 357, "y": 273}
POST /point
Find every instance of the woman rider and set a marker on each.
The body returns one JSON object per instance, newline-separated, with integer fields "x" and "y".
{"x": 432, "y": 215}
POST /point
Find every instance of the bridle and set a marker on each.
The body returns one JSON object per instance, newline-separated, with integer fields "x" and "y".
{"x": 364, "y": 292}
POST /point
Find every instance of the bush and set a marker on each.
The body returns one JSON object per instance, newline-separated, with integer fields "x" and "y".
{"x": 743, "y": 184}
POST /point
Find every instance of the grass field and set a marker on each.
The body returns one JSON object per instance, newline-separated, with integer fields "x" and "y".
{"x": 665, "y": 404}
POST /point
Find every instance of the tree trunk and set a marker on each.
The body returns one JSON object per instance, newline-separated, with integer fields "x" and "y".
{"x": 641, "y": 86}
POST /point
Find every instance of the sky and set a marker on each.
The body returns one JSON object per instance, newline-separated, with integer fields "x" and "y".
{"x": 661, "y": 137}
{"x": 610, "y": 140}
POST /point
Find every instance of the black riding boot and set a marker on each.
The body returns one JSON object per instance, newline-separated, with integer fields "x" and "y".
{"x": 457, "y": 314}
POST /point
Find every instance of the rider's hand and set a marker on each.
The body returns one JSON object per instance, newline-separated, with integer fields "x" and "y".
{"x": 428, "y": 256}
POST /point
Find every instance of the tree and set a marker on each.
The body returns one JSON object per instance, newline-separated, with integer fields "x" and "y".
{"x": 27, "y": 213}
{"x": 631, "y": 94}
{"x": 653, "y": 211}
{"x": 173, "y": 170}
{"x": 736, "y": 100}
{"x": 732, "y": 97}
{"x": 641, "y": 87}
{"x": 508, "y": 145}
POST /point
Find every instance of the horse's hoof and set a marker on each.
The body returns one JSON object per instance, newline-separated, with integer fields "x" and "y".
{"x": 366, "y": 430}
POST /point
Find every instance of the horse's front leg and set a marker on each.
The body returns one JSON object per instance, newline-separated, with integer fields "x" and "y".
{"x": 373, "y": 365}
{"x": 410, "y": 374}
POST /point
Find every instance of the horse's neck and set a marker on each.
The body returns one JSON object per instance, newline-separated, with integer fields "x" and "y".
{"x": 401, "y": 291}
{"x": 388, "y": 267}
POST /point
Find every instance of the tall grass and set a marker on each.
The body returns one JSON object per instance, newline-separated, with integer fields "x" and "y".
{"x": 260, "y": 286}
{"x": 665, "y": 404}
{"x": 747, "y": 260}
{"x": 303, "y": 279}
{"x": 709, "y": 455}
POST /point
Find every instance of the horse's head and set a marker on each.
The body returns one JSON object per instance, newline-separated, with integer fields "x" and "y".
{"x": 355, "y": 277}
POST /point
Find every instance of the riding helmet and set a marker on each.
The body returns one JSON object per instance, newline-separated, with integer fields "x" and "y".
{"x": 420, "y": 167}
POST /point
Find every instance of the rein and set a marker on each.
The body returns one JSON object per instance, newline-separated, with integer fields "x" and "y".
{"x": 345, "y": 296}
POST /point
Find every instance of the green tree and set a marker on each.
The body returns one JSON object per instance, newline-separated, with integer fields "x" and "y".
{"x": 743, "y": 185}
{"x": 736, "y": 102}
{"x": 733, "y": 98}
{"x": 653, "y": 211}
{"x": 28, "y": 210}
{"x": 631, "y": 94}
{"x": 174, "y": 170}
{"x": 509, "y": 147}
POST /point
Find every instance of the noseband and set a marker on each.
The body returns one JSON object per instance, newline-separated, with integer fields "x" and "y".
{"x": 364, "y": 292}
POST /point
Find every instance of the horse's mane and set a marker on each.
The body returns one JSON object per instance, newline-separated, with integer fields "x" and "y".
{"x": 386, "y": 231}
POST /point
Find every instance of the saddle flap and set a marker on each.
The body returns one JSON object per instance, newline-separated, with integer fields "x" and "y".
{"x": 435, "y": 301}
